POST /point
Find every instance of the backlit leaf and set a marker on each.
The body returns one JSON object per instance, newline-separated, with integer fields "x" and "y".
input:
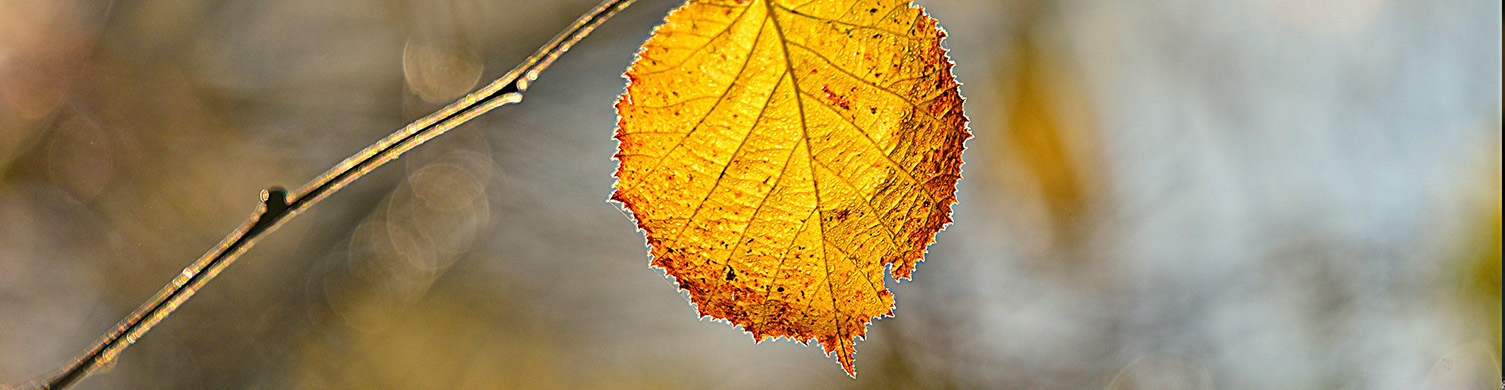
{"x": 780, "y": 154}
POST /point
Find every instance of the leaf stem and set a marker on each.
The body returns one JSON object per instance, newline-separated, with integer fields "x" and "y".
{"x": 278, "y": 205}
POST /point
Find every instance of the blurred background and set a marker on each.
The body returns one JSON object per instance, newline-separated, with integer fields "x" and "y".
{"x": 1169, "y": 194}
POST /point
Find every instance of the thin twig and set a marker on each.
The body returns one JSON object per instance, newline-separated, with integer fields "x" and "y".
{"x": 278, "y": 205}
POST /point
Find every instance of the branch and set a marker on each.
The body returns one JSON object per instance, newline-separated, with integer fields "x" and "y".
{"x": 278, "y": 205}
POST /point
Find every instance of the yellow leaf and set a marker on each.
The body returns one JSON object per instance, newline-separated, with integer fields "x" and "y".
{"x": 779, "y": 155}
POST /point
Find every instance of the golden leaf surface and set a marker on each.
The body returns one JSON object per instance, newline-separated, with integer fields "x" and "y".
{"x": 780, "y": 154}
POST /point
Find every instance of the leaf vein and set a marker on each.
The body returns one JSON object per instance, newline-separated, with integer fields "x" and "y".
{"x": 742, "y": 70}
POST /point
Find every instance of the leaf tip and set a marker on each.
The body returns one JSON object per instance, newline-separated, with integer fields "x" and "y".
{"x": 848, "y": 363}
{"x": 844, "y": 349}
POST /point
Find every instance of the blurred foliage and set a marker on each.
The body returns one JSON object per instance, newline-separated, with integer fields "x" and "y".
{"x": 1478, "y": 279}
{"x": 1262, "y": 194}
{"x": 1051, "y": 160}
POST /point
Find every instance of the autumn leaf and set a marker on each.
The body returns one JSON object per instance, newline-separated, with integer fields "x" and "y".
{"x": 779, "y": 155}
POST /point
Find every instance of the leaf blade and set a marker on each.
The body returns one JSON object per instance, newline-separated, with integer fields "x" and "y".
{"x": 830, "y": 151}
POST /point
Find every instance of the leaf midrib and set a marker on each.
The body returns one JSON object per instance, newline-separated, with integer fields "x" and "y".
{"x": 841, "y": 338}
